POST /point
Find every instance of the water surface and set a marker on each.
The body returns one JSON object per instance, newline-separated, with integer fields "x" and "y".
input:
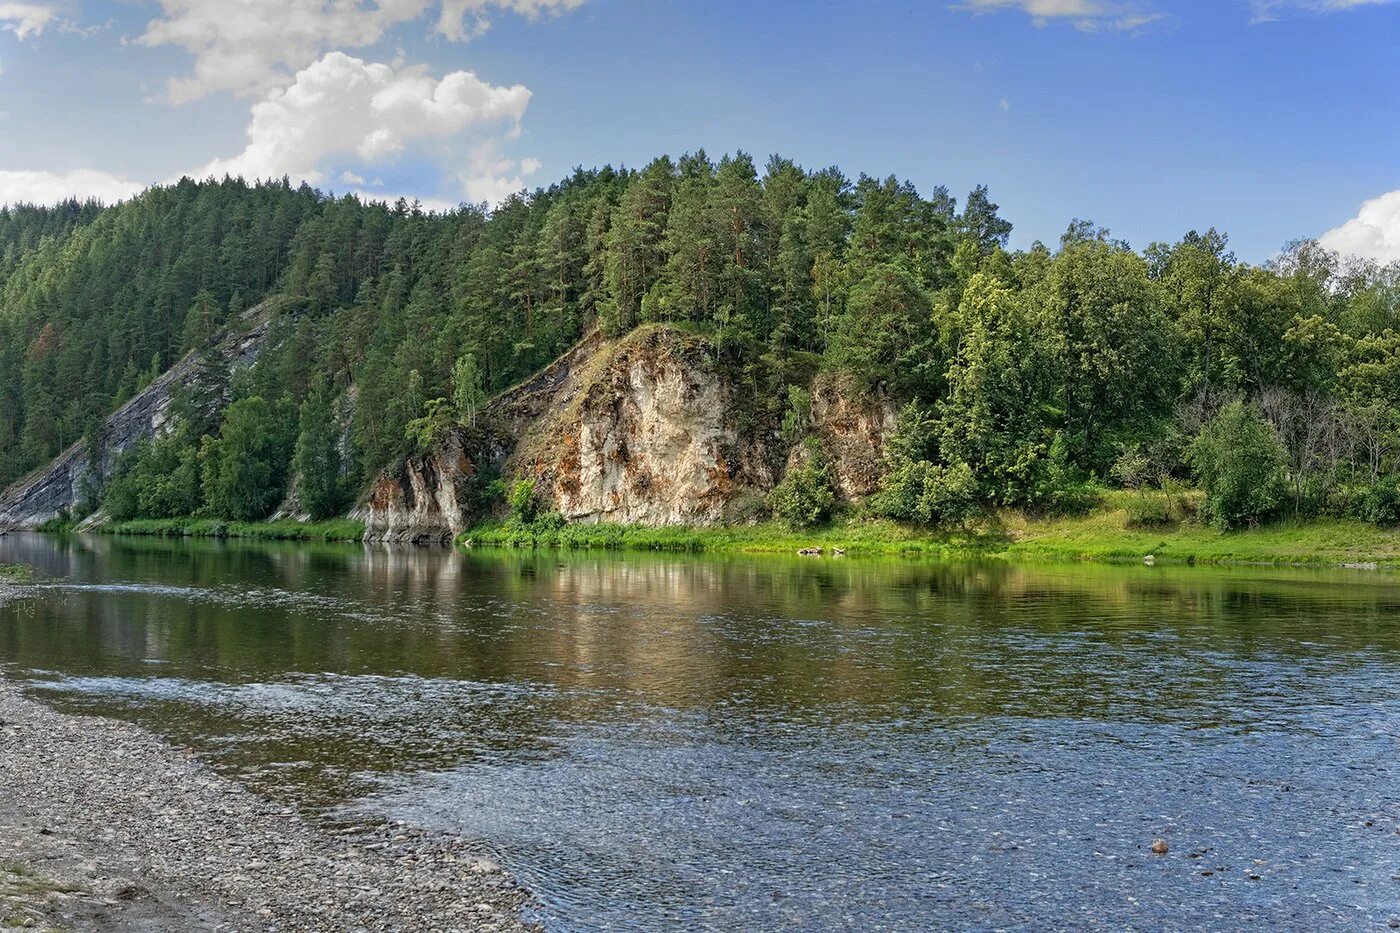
{"x": 701, "y": 743}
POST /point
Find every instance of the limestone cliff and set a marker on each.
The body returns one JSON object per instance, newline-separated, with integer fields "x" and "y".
{"x": 40, "y": 496}
{"x": 641, "y": 430}
{"x": 644, "y": 433}
{"x": 421, "y": 502}
{"x": 852, "y": 424}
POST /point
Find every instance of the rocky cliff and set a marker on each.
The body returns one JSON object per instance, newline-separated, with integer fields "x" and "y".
{"x": 644, "y": 433}
{"x": 641, "y": 430}
{"x": 57, "y": 487}
{"x": 421, "y": 502}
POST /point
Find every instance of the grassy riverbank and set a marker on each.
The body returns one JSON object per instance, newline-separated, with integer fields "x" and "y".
{"x": 1105, "y": 534}
{"x": 869, "y": 537}
{"x": 339, "y": 529}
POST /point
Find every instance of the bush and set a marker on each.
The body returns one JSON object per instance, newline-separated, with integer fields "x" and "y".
{"x": 1379, "y": 503}
{"x": 1239, "y": 463}
{"x": 155, "y": 479}
{"x": 926, "y": 493}
{"x": 1148, "y": 509}
{"x": 524, "y": 502}
{"x": 804, "y": 498}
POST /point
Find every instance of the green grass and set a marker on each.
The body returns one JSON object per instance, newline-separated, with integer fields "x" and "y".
{"x": 853, "y": 537}
{"x": 336, "y": 529}
{"x": 1105, "y": 534}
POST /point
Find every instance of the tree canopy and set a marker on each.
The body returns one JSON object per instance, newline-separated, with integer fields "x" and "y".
{"x": 1030, "y": 369}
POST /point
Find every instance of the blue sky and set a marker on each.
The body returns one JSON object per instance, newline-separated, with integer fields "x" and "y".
{"x": 1270, "y": 120}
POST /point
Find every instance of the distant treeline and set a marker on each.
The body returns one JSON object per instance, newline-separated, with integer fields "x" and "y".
{"x": 1024, "y": 378}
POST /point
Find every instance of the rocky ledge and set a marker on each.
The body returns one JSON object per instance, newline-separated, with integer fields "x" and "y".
{"x": 106, "y": 827}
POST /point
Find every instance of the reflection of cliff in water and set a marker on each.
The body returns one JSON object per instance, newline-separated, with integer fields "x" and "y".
{"x": 373, "y": 657}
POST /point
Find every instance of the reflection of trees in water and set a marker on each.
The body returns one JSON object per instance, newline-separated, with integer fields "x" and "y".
{"x": 499, "y": 652}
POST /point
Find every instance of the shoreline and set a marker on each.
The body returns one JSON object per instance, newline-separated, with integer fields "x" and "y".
{"x": 105, "y": 827}
{"x": 1104, "y": 535}
{"x": 1099, "y": 537}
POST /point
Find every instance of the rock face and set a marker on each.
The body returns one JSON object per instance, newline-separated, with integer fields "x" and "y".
{"x": 643, "y": 434}
{"x": 423, "y": 501}
{"x": 636, "y": 431}
{"x": 57, "y": 487}
{"x": 641, "y": 430}
{"x": 852, "y": 424}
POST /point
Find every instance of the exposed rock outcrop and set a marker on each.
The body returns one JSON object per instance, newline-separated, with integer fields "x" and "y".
{"x": 422, "y": 502}
{"x": 57, "y": 487}
{"x": 641, "y": 430}
{"x": 852, "y": 422}
{"x": 643, "y": 434}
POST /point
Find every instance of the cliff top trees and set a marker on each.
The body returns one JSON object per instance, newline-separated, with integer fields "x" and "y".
{"x": 1039, "y": 364}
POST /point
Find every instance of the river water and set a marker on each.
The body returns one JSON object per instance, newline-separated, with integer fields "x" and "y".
{"x": 771, "y": 743}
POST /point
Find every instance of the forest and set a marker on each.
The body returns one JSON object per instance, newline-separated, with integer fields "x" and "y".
{"x": 1024, "y": 379}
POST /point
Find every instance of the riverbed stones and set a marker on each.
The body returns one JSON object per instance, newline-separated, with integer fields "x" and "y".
{"x": 108, "y": 827}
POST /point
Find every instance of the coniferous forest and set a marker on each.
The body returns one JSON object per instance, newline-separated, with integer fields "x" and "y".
{"x": 1024, "y": 379}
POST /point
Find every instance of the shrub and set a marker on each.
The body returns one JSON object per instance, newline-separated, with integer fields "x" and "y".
{"x": 928, "y": 494}
{"x": 798, "y": 417}
{"x": 1147, "y": 509}
{"x": 804, "y": 498}
{"x": 1379, "y": 503}
{"x": 524, "y": 501}
{"x": 1239, "y": 461}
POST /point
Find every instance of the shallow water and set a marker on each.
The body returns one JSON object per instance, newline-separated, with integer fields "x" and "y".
{"x": 742, "y": 743}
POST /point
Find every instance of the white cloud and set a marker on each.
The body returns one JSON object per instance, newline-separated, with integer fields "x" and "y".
{"x": 342, "y": 108}
{"x": 1088, "y": 15}
{"x": 491, "y": 177}
{"x": 439, "y": 205}
{"x": 1269, "y": 10}
{"x": 39, "y": 187}
{"x": 252, "y": 46}
{"x": 1374, "y": 233}
{"x": 452, "y": 20}
{"x": 25, "y": 19}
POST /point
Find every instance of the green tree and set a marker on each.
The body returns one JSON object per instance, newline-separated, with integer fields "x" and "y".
{"x": 886, "y": 332}
{"x": 316, "y": 458}
{"x": 244, "y": 469}
{"x": 999, "y": 414}
{"x": 1239, "y": 461}
{"x": 804, "y": 498}
{"x": 467, "y": 393}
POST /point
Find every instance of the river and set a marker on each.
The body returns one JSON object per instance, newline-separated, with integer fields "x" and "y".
{"x": 654, "y": 742}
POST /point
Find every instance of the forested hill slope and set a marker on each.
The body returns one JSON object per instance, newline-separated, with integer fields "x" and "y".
{"x": 1019, "y": 377}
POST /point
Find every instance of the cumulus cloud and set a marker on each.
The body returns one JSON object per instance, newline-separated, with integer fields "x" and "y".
{"x": 1088, "y": 15}
{"x": 252, "y": 46}
{"x": 25, "y": 19}
{"x": 491, "y": 177}
{"x": 39, "y": 187}
{"x": 344, "y": 109}
{"x": 376, "y": 196}
{"x": 1374, "y": 233}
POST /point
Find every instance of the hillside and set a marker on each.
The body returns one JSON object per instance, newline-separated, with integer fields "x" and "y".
{"x": 687, "y": 344}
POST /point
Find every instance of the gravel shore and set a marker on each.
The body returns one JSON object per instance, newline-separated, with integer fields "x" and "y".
{"x": 104, "y": 826}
